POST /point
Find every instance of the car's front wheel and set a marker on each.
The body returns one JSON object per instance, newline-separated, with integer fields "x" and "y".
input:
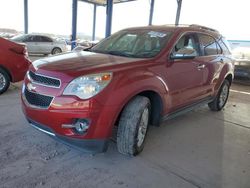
{"x": 221, "y": 99}
{"x": 4, "y": 81}
{"x": 133, "y": 126}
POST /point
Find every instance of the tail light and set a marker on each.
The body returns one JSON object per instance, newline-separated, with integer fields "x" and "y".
{"x": 20, "y": 50}
{"x": 25, "y": 52}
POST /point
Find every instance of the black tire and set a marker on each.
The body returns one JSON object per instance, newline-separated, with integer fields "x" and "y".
{"x": 56, "y": 51}
{"x": 133, "y": 123}
{"x": 217, "y": 104}
{"x": 4, "y": 81}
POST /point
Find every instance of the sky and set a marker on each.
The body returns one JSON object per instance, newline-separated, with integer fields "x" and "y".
{"x": 55, "y": 16}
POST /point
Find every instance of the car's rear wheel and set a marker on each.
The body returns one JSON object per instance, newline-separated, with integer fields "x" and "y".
{"x": 4, "y": 81}
{"x": 56, "y": 51}
{"x": 133, "y": 126}
{"x": 221, "y": 99}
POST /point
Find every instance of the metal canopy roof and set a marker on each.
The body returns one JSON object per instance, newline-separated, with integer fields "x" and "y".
{"x": 109, "y": 10}
{"x": 104, "y": 2}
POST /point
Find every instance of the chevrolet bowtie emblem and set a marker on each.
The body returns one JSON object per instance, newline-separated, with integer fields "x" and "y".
{"x": 31, "y": 87}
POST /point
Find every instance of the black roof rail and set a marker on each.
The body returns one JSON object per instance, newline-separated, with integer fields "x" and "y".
{"x": 203, "y": 27}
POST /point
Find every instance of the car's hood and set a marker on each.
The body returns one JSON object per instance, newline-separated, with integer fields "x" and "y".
{"x": 78, "y": 63}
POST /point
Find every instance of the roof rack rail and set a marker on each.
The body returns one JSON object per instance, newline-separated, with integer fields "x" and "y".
{"x": 203, "y": 27}
{"x": 179, "y": 25}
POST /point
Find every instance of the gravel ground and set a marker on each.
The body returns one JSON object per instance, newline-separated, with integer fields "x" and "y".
{"x": 199, "y": 149}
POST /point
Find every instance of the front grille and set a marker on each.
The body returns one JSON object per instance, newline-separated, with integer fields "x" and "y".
{"x": 44, "y": 80}
{"x": 38, "y": 100}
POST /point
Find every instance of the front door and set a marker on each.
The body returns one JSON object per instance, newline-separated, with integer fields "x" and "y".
{"x": 184, "y": 74}
{"x": 31, "y": 43}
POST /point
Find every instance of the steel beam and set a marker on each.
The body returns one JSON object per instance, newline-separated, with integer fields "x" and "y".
{"x": 94, "y": 22}
{"x": 152, "y": 4}
{"x": 26, "y": 21}
{"x": 109, "y": 12}
{"x": 74, "y": 24}
{"x": 178, "y": 13}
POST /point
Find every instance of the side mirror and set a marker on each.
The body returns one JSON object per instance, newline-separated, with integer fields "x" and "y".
{"x": 184, "y": 53}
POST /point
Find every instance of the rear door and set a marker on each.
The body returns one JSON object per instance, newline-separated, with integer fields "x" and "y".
{"x": 184, "y": 77}
{"x": 213, "y": 61}
{"x": 46, "y": 45}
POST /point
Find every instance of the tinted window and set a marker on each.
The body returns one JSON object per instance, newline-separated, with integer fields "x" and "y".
{"x": 36, "y": 39}
{"x": 29, "y": 39}
{"x": 33, "y": 38}
{"x": 209, "y": 45}
{"x": 45, "y": 39}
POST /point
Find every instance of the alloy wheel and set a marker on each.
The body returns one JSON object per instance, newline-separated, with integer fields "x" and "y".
{"x": 2, "y": 81}
{"x": 223, "y": 95}
{"x": 143, "y": 127}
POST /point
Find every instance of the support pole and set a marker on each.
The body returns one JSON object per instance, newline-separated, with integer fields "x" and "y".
{"x": 26, "y": 24}
{"x": 178, "y": 13}
{"x": 74, "y": 24}
{"x": 152, "y": 4}
{"x": 94, "y": 23}
{"x": 109, "y": 12}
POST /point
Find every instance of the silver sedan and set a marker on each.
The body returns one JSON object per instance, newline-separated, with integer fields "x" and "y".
{"x": 41, "y": 44}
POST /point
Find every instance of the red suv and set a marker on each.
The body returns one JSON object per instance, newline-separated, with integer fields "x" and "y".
{"x": 135, "y": 78}
{"x": 14, "y": 63}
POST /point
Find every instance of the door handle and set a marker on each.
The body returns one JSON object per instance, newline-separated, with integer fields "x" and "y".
{"x": 201, "y": 66}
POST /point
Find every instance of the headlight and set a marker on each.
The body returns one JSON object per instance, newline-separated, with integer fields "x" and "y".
{"x": 88, "y": 86}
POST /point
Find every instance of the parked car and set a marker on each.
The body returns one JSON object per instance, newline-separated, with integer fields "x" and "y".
{"x": 41, "y": 44}
{"x": 14, "y": 63}
{"x": 84, "y": 45}
{"x": 242, "y": 65}
{"x": 7, "y": 35}
{"x": 242, "y": 71}
{"x": 135, "y": 78}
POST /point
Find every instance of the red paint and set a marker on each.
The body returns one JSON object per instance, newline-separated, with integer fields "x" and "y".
{"x": 177, "y": 82}
{"x": 14, "y": 59}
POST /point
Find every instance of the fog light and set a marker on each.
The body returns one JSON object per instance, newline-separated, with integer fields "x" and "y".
{"x": 81, "y": 125}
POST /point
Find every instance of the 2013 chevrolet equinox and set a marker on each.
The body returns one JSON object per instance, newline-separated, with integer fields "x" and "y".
{"x": 135, "y": 78}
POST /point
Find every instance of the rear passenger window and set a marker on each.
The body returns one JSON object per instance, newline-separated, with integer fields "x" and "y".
{"x": 209, "y": 45}
{"x": 224, "y": 47}
{"x": 36, "y": 39}
{"x": 45, "y": 39}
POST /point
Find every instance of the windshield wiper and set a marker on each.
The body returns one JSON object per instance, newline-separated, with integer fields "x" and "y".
{"x": 119, "y": 53}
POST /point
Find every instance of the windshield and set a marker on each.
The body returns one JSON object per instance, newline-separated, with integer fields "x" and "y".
{"x": 19, "y": 38}
{"x": 138, "y": 44}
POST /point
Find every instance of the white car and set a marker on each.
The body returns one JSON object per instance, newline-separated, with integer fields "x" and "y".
{"x": 41, "y": 44}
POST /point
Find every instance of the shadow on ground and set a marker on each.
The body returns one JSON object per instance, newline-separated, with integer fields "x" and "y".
{"x": 199, "y": 149}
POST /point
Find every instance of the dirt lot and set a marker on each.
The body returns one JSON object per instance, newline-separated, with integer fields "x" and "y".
{"x": 199, "y": 149}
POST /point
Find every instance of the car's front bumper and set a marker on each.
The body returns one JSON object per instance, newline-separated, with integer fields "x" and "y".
{"x": 88, "y": 146}
{"x": 65, "y": 110}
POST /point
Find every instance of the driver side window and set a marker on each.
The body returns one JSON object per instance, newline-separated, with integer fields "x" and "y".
{"x": 186, "y": 46}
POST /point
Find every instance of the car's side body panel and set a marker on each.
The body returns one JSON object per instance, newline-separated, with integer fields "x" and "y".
{"x": 13, "y": 59}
